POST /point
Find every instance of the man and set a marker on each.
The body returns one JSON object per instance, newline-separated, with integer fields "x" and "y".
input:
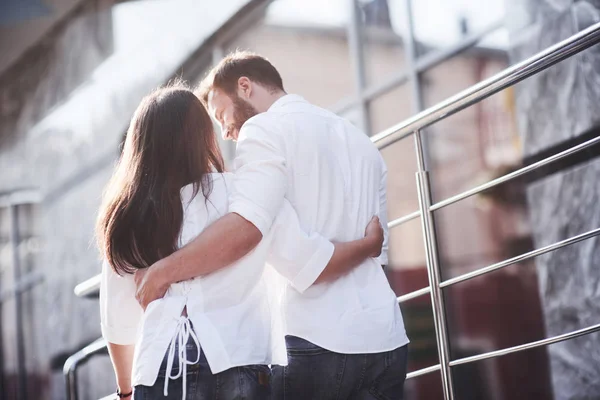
{"x": 345, "y": 334}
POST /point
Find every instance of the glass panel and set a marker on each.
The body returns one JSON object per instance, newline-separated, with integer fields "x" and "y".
{"x": 439, "y": 24}
{"x": 294, "y": 36}
{"x": 382, "y": 34}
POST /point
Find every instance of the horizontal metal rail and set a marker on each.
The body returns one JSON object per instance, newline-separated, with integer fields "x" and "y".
{"x": 527, "y": 346}
{"x": 509, "y": 350}
{"x": 522, "y": 257}
{"x": 510, "y": 76}
{"x": 409, "y": 296}
{"x": 423, "y": 371}
{"x": 515, "y": 174}
{"x": 402, "y": 220}
{"x": 89, "y": 288}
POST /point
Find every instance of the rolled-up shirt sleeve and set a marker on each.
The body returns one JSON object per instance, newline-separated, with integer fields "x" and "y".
{"x": 120, "y": 313}
{"x": 260, "y": 180}
{"x": 297, "y": 256}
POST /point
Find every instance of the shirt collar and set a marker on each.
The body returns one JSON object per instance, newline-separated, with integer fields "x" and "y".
{"x": 288, "y": 98}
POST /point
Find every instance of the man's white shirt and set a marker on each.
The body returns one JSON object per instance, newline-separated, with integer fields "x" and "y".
{"x": 335, "y": 179}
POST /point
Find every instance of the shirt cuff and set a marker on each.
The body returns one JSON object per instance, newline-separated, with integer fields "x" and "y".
{"x": 259, "y": 219}
{"x": 313, "y": 268}
{"x": 123, "y": 336}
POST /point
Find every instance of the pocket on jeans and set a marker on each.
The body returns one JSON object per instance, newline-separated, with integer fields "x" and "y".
{"x": 260, "y": 374}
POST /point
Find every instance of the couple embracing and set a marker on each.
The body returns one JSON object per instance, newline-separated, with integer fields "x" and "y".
{"x": 265, "y": 282}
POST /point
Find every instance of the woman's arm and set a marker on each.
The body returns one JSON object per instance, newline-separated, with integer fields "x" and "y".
{"x": 304, "y": 259}
{"x": 121, "y": 357}
{"x": 120, "y": 318}
{"x": 349, "y": 255}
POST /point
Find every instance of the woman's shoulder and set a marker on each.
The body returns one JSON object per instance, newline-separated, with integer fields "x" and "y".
{"x": 221, "y": 177}
{"x": 220, "y": 187}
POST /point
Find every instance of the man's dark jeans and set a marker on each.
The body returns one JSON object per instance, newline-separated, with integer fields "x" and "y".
{"x": 319, "y": 374}
{"x": 248, "y": 382}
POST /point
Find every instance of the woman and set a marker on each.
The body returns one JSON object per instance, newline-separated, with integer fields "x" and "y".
{"x": 213, "y": 336}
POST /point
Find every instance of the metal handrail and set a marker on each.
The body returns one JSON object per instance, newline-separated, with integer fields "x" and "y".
{"x": 527, "y": 346}
{"x": 423, "y": 371}
{"x": 409, "y": 296}
{"x": 413, "y": 126}
{"x": 510, "y": 76}
{"x": 508, "y": 350}
{"x": 404, "y": 219}
{"x": 74, "y": 361}
{"x": 88, "y": 288}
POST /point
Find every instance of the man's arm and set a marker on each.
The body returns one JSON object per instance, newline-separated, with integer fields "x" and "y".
{"x": 224, "y": 242}
{"x": 259, "y": 188}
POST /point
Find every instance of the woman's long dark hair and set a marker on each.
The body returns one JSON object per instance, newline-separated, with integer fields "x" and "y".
{"x": 170, "y": 143}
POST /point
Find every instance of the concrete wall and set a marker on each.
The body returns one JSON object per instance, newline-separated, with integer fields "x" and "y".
{"x": 557, "y": 109}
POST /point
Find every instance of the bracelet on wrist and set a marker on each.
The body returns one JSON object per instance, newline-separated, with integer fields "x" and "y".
{"x": 123, "y": 395}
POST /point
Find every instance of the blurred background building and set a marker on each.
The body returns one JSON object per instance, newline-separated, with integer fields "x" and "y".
{"x": 73, "y": 71}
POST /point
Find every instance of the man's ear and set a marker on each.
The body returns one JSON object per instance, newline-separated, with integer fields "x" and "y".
{"x": 244, "y": 87}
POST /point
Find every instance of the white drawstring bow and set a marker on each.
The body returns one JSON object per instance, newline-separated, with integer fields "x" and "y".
{"x": 183, "y": 333}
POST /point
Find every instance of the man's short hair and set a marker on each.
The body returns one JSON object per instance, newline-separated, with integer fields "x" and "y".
{"x": 225, "y": 75}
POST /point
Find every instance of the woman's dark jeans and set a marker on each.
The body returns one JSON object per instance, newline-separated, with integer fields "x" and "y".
{"x": 249, "y": 382}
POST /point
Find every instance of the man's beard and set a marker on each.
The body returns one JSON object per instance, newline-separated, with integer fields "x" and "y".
{"x": 242, "y": 112}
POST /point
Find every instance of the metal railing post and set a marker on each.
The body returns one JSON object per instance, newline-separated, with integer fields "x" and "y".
{"x": 433, "y": 271}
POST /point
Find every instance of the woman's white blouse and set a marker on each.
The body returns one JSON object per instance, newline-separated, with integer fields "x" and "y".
{"x": 234, "y": 311}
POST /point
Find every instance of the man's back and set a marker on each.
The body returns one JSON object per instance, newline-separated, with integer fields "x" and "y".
{"x": 336, "y": 183}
